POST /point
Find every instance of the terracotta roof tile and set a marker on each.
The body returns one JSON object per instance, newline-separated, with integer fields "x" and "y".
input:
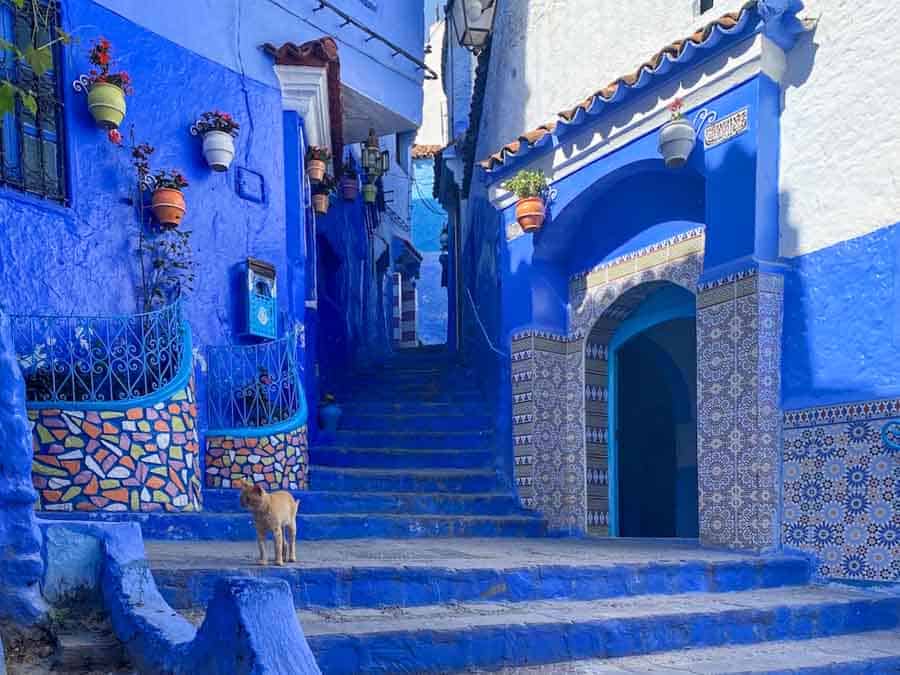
{"x": 425, "y": 151}
{"x": 673, "y": 51}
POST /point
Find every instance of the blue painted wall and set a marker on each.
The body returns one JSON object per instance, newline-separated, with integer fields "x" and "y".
{"x": 841, "y": 340}
{"x": 428, "y": 221}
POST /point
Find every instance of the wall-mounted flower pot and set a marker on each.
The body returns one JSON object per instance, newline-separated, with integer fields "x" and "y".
{"x": 370, "y": 193}
{"x": 530, "y": 212}
{"x": 315, "y": 169}
{"x": 168, "y": 206}
{"x": 349, "y": 188}
{"x": 107, "y": 104}
{"x": 320, "y": 204}
{"x": 676, "y": 142}
{"x": 218, "y": 149}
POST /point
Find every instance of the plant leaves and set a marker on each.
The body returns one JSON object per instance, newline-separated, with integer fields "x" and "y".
{"x": 29, "y": 101}
{"x": 39, "y": 58}
{"x": 7, "y": 46}
{"x": 7, "y": 97}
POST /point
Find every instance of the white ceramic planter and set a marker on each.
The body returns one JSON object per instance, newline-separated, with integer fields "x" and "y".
{"x": 676, "y": 142}
{"x": 218, "y": 149}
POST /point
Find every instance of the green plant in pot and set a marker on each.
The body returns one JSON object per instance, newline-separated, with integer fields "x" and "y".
{"x": 531, "y": 189}
{"x": 321, "y": 194}
{"x": 317, "y": 159}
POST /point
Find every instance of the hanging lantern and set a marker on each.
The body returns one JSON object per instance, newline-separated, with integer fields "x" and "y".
{"x": 473, "y": 21}
{"x": 375, "y": 161}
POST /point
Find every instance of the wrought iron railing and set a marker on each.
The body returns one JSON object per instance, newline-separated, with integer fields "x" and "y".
{"x": 85, "y": 359}
{"x": 252, "y": 386}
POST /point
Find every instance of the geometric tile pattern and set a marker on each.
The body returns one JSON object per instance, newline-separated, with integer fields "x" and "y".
{"x": 141, "y": 459}
{"x": 739, "y": 322}
{"x": 277, "y": 461}
{"x": 842, "y": 489}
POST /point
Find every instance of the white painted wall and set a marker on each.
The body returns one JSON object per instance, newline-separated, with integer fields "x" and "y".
{"x": 434, "y": 108}
{"x": 840, "y": 140}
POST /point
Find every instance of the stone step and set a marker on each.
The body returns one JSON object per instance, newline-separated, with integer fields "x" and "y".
{"x": 414, "y": 440}
{"x": 420, "y": 422}
{"x": 376, "y": 394}
{"x": 83, "y": 651}
{"x": 187, "y": 574}
{"x": 388, "y": 406}
{"x": 239, "y": 526}
{"x": 867, "y": 653}
{"x": 440, "y": 638}
{"x": 332, "y": 479}
{"x": 394, "y": 458}
{"x": 433, "y": 503}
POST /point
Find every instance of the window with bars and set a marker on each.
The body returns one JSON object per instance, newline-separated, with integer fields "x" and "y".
{"x": 31, "y": 143}
{"x": 706, "y": 5}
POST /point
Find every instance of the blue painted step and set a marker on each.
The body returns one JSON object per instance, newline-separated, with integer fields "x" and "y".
{"x": 389, "y": 406}
{"x": 426, "y": 503}
{"x": 401, "y": 480}
{"x": 239, "y": 526}
{"x": 407, "y": 586}
{"x": 461, "y": 440}
{"x": 388, "y": 458}
{"x": 441, "y": 638}
{"x": 420, "y": 422}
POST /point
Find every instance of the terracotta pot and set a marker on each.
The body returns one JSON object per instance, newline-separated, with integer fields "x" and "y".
{"x": 530, "y": 213}
{"x": 370, "y": 193}
{"x": 218, "y": 149}
{"x": 107, "y": 104}
{"x": 349, "y": 188}
{"x": 320, "y": 204}
{"x": 315, "y": 169}
{"x": 168, "y": 206}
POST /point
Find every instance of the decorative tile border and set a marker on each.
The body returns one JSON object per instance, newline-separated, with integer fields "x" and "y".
{"x": 841, "y": 500}
{"x": 278, "y": 461}
{"x": 142, "y": 459}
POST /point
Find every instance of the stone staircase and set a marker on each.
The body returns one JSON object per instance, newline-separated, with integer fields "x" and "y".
{"x": 579, "y": 606}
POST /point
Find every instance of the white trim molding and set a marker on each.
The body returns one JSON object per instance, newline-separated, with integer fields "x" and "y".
{"x": 623, "y": 124}
{"x": 304, "y": 89}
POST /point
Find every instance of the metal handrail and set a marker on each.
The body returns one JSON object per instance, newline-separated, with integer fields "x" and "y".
{"x": 86, "y": 359}
{"x": 253, "y": 386}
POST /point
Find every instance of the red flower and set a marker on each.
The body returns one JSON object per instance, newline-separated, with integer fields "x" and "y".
{"x": 114, "y": 137}
{"x": 676, "y": 105}
{"x": 105, "y": 44}
{"x": 103, "y": 59}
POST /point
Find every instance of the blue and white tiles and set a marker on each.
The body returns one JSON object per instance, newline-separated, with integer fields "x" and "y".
{"x": 842, "y": 488}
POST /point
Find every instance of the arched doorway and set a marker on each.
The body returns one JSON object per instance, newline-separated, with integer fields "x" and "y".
{"x": 641, "y": 392}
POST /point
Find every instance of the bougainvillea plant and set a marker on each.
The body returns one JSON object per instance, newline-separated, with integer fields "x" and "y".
{"x": 216, "y": 120}
{"x": 101, "y": 57}
{"x": 676, "y": 108}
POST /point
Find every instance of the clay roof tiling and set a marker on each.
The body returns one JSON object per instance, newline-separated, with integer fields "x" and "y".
{"x": 615, "y": 90}
{"x": 425, "y": 151}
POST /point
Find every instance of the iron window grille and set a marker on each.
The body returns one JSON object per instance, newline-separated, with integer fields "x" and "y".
{"x": 32, "y": 156}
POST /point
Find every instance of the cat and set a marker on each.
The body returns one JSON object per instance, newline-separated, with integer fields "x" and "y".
{"x": 274, "y": 512}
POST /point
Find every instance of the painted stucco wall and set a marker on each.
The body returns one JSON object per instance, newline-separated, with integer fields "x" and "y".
{"x": 434, "y": 130}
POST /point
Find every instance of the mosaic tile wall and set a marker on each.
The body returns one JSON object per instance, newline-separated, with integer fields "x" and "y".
{"x": 278, "y": 461}
{"x": 738, "y": 420}
{"x": 547, "y": 428}
{"x": 140, "y": 459}
{"x": 842, "y": 488}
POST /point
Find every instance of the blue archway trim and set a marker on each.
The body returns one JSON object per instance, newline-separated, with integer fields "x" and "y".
{"x": 669, "y": 303}
{"x": 179, "y": 382}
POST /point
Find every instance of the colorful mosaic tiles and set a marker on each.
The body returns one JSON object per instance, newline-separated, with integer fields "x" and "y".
{"x": 738, "y": 418}
{"x": 277, "y": 460}
{"x": 841, "y": 499}
{"x": 139, "y": 459}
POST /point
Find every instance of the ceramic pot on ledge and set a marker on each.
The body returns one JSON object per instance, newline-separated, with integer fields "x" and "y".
{"x": 320, "y": 204}
{"x": 107, "y": 104}
{"x": 218, "y": 149}
{"x": 530, "y": 213}
{"x": 370, "y": 193}
{"x": 349, "y": 188}
{"x": 315, "y": 169}
{"x": 676, "y": 142}
{"x": 168, "y": 206}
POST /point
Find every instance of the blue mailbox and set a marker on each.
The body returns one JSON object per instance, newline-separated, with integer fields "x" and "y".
{"x": 262, "y": 299}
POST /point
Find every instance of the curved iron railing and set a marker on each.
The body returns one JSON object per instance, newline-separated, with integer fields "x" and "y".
{"x": 253, "y": 386}
{"x": 86, "y": 359}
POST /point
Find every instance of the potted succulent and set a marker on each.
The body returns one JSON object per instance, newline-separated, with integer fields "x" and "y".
{"x": 106, "y": 88}
{"x": 168, "y": 200}
{"x": 329, "y": 416}
{"x": 370, "y": 193}
{"x": 530, "y": 187}
{"x": 677, "y": 137}
{"x": 322, "y": 194}
{"x": 218, "y": 130}
{"x": 317, "y": 162}
{"x": 349, "y": 181}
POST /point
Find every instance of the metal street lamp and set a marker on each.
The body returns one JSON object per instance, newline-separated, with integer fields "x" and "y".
{"x": 375, "y": 161}
{"x": 473, "y": 21}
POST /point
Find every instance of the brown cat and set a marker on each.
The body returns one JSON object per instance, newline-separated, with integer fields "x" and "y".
{"x": 275, "y": 513}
